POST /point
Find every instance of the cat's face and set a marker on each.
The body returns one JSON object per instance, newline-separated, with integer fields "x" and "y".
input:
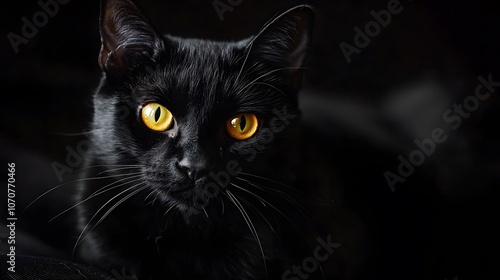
{"x": 185, "y": 110}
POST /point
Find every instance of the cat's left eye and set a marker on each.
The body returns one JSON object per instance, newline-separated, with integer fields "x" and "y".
{"x": 242, "y": 126}
{"x": 157, "y": 117}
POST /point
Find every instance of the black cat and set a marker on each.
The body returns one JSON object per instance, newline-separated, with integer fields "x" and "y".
{"x": 194, "y": 169}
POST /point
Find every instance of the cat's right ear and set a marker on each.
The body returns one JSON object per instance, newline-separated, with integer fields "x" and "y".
{"x": 127, "y": 37}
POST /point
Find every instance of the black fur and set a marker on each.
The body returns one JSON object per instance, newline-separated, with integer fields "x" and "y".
{"x": 158, "y": 232}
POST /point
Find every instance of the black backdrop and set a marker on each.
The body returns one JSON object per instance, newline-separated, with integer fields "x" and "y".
{"x": 431, "y": 232}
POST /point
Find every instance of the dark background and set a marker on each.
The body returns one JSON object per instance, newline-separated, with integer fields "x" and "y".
{"x": 441, "y": 223}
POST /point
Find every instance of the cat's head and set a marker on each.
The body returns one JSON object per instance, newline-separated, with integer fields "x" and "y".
{"x": 186, "y": 109}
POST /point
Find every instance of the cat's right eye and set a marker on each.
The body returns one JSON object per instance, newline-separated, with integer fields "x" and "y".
{"x": 157, "y": 117}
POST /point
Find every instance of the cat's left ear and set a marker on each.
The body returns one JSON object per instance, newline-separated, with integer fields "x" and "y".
{"x": 284, "y": 41}
{"x": 127, "y": 37}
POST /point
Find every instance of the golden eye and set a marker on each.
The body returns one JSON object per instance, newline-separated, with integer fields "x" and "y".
{"x": 157, "y": 117}
{"x": 242, "y": 126}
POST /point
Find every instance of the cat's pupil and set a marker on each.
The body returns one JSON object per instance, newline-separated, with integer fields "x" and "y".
{"x": 243, "y": 122}
{"x": 157, "y": 114}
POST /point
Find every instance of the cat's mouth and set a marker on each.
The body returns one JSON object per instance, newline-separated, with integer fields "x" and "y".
{"x": 189, "y": 195}
{"x": 184, "y": 194}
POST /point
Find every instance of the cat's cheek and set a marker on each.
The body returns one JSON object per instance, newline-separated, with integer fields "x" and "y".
{"x": 266, "y": 137}
{"x": 249, "y": 154}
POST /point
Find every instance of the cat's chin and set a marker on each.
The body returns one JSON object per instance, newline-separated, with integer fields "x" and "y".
{"x": 190, "y": 200}
{"x": 184, "y": 196}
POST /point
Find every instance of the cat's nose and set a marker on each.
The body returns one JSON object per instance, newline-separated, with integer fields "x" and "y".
{"x": 194, "y": 169}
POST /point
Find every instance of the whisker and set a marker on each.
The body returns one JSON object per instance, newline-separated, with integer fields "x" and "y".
{"x": 281, "y": 184}
{"x": 150, "y": 193}
{"x": 74, "y": 181}
{"x": 255, "y": 210}
{"x": 105, "y": 165}
{"x": 117, "y": 169}
{"x": 77, "y": 133}
{"x": 265, "y": 75}
{"x": 244, "y": 62}
{"x": 286, "y": 217}
{"x": 97, "y": 212}
{"x": 271, "y": 86}
{"x": 154, "y": 199}
{"x": 222, "y": 205}
{"x": 251, "y": 226}
{"x": 270, "y": 180}
{"x": 275, "y": 192}
{"x": 111, "y": 210}
{"x": 205, "y": 211}
{"x": 168, "y": 210}
{"x": 97, "y": 193}
{"x": 261, "y": 200}
{"x": 257, "y": 196}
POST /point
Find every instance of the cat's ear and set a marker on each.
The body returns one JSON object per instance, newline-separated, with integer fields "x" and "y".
{"x": 127, "y": 37}
{"x": 284, "y": 41}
